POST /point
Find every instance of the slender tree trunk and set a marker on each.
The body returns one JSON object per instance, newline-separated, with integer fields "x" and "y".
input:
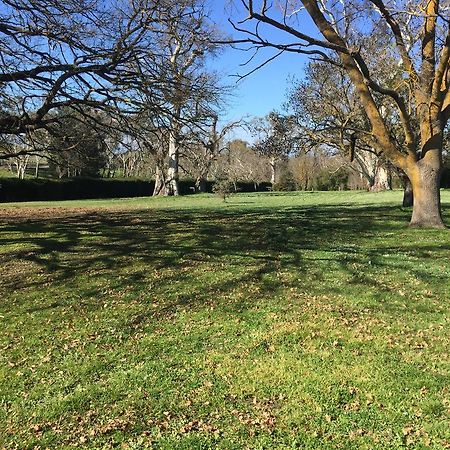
{"x": 21, "y": 164}
{"x": 37, "y": 167}
{"x": 172, "y": 185}
{"x": 273, "y": 167}
{"x": 425, "y": 181}
{"x": 408, "y": 197}
{"x": 159, "y": 182}
{"x": 200, "y": 184}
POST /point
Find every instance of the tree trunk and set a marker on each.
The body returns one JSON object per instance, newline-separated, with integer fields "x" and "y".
{"x": 381, "y": 180}
{"x": 408, "y": 197}
{"x": 425, "y": 181}
{"x": 172, "y": 187}
{"x": 273, "y": 166}
{"x": 159, "y": 182}
{"x": 200, "y": 185}
{"x": 36, "y": 173}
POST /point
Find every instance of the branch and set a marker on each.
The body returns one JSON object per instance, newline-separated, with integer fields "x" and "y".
{"x": 309, "y": 39}
{"x": 439, "y": 92}
{"x": 353, "y": 69}
{"x": 398, "y": 99}
{"x": 395, "y": 28}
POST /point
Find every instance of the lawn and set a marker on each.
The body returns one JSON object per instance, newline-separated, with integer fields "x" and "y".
{"x": 269, "y": 321}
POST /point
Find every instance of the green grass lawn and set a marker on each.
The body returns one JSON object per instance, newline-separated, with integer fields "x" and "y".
{"x": 307, "y": 320}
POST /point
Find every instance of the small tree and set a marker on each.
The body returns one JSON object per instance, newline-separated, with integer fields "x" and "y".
{"x": 223, "y": 187}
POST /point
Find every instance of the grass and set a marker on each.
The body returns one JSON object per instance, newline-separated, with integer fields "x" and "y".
{"x": 309, "y": 320}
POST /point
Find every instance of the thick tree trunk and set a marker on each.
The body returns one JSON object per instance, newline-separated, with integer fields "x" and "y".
{"x": 425, "y": 181}
{"x": 381, "y": 180}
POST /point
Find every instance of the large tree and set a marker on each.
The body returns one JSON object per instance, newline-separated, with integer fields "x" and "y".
{"x": 202, "y": 148}
{"x": 339, "y": 125}
{"x": 419, "y": 32}
{"x": 65, "y": 54}
{"x": 191, "y": 91}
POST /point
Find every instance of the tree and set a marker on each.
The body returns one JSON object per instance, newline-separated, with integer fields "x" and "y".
{"x": 190, "y": 93}
{"x": 339, "y": 125}
{"x": 64, "y": 54}
{"x": 77, "y": 149}
{"x": 83, "y": 57}
{"x": 275, "y": 139}
{"x": 242, "y": 163}
{"x": 420, "y": 37}
{"x": 202, "y": 148}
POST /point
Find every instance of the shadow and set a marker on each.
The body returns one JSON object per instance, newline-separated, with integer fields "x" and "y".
{"x": 148, "y": 252}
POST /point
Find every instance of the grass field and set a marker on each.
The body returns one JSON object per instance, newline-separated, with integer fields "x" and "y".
{"x": 309, "y": 321}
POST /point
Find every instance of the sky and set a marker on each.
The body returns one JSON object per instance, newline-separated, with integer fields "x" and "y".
{"x": 262, "y": 91}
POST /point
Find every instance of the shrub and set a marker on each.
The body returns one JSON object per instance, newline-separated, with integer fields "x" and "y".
{"x": 286, "y": 182}
{"x": 223, "y": 188}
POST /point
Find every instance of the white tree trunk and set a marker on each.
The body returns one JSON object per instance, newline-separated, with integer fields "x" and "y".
{"x": 273, "y": 167}
{"x": 36, "y": 173}
{"x": 382, "y": 179}
{"x": 172, "y": 172}
{"x": 159, "y": 181}
{"x": 21, "y": 166}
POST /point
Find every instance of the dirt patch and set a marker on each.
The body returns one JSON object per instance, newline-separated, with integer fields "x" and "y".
{"x": 28, "y": 213}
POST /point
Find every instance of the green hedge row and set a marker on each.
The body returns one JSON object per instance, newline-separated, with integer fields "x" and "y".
{"x": 445, "y": 178}
{"x": 16, "y": 190}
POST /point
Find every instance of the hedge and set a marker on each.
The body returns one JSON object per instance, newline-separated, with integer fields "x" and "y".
{"x": 35, "y": 189}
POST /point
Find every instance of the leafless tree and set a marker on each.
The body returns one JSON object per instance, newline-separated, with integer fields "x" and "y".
{"x": 241, "y": 162}
{"x": 65, "y": 54}
{"x": 202, "y": 148}
{"x": 190, "y": 92}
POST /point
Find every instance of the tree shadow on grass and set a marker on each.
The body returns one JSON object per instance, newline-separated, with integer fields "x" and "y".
{"x": 153, "y": 250}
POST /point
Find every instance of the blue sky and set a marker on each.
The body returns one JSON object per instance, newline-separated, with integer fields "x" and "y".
{"x": 264, "y": 90}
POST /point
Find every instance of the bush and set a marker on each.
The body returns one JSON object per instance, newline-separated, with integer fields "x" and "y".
{"x": 334, "y": 181}
{"x": 223, "y": 188}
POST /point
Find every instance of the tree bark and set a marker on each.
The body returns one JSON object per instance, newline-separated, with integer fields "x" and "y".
{"x": 172, "y": 187}
{"x": 425, "y": 182}
{"x": 273, "y": 167}
{"x": 200, "y": 185}
{"x": 408, "y": 197}
{"x": 37, "y": 167}
{"x": 159, "y": 182}
{"x": 381, "y": 180}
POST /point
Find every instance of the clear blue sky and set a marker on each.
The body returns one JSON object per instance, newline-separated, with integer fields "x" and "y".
{"x": 263, "y": 90}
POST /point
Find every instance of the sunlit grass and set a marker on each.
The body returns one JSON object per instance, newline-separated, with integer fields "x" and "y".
{"x": 309, "y": 320}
